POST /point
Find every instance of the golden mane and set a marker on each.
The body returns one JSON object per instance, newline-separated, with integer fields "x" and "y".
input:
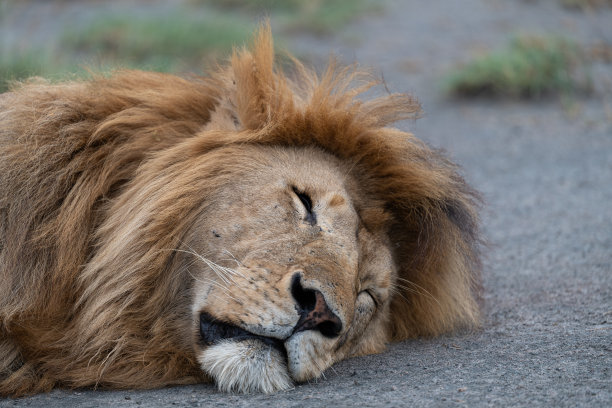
{"x": 99, "y": 178}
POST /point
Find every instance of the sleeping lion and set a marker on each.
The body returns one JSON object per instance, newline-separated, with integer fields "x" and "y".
{"x": 249, "y": 228}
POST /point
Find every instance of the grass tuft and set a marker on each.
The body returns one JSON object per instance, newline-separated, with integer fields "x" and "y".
{"x": 183, "y": 40}
{"x": 166, "y": 43}
{"x": 15, "y": 66}
{"x": 178, "y": 42}
{"x": 529, "y": 67}
{"x": 586, "y": 4}
{"x": 319, "y": 17}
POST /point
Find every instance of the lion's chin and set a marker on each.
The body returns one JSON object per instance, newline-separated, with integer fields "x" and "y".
{"x": 307, "y": 355}
{"x": 246, "y": 366}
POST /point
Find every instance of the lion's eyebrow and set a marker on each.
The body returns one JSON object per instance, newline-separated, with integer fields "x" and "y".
{"x": 310, "y": 217}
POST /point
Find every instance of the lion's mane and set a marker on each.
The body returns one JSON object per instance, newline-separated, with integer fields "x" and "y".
{"x": 100, "y": 178}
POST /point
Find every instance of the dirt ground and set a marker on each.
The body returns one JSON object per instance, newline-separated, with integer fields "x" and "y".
{"x": 545, "y": 170}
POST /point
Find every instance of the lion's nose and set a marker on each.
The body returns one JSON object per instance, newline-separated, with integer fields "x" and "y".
{"x": 314, "y": 312}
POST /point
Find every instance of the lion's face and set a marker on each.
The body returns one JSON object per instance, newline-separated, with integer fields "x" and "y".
{"x": 288, "y": 277}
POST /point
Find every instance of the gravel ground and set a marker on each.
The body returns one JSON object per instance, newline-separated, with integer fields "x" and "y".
{"x": 546, "y": 175}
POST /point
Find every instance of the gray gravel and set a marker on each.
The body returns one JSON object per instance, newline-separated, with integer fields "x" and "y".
{"x": 546, "y": 175}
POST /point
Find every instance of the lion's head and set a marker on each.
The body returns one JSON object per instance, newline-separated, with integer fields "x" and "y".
{"x": 251, "y": 227}
{"x": 292, "y": 270}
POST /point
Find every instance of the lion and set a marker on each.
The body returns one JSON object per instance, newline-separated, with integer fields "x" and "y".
{"x": 251, "y": 227}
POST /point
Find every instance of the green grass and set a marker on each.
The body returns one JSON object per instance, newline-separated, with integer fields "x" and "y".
{"x": 529, "y": 67}
{"x": 167, "y": 43}
{"x": 320, "y": 17}
{"x": 16, "y": 66}
{"x": 178, "y": 42}
{"x": 182, "y": 41}
{"x": 586, "y": 4}
{"x": 258, "y": 5}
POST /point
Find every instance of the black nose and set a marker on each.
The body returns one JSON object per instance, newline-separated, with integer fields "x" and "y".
{"x": 313, "y": 310}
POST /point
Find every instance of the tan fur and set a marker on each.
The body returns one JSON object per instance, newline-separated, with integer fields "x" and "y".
{"x": 104, "y": 182}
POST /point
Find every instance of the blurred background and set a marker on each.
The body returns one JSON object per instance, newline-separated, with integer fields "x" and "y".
{"x": 475, "y": 48}
{"x": 57, "y": 39}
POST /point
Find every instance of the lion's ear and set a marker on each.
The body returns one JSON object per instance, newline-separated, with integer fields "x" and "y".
{"x": 259, "y": 92}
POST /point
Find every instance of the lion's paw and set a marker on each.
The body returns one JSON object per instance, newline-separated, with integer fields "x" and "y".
{"x": 246, "y": 366}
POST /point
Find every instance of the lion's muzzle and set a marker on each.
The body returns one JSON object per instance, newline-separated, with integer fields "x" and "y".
{"x": 260, "y": 363}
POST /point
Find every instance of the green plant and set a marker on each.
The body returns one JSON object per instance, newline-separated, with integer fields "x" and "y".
{"x": 180, "y": 41}
{"x": 316, "y": 16}
{"x": 166, "y": 43}
{"x": 529, "y": 67}
{"x": 15, "y": 66}
{"x": 177, "y": 42}
{"x": 586, "y": 4}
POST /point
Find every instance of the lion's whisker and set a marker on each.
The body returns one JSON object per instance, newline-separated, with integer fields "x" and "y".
{"x": 222, "y": 300}
{"x": 399, "y": 293}
{"x": 225, "y": 289}
{"x": 221, "y": 271}
{"x": 233, "y": 257}
{"x": 419, "y": 287}
{"x": 229, "y": 271}
{"x": 418, "y": 292}
{"x": 407, "y": 289}
{"x": 321, "y": 371}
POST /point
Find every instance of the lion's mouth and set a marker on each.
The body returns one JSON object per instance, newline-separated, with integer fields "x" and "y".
{"x": 213, "y": 331}
{"x": 241, "y": 361}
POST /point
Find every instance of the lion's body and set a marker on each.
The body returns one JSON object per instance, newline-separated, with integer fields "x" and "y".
{"x": 102, "y": 181}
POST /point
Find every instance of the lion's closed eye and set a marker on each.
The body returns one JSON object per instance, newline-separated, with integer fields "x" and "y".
{"x": 310, "y": 216}
{"x": 371, "y": 294}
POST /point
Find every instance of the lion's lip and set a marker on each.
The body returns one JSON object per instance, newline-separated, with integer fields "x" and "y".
{"x": 213, "y": 330}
